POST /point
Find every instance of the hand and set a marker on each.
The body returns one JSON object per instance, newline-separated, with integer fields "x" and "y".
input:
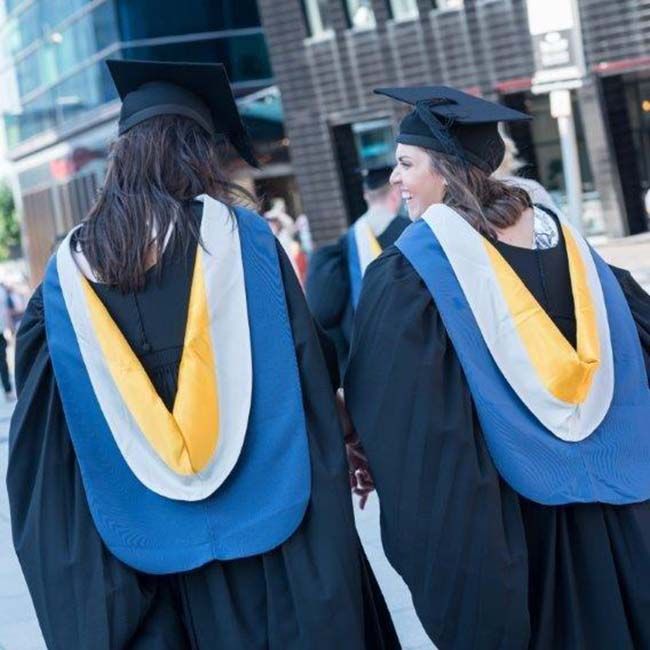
{"x": 361, "y": 480}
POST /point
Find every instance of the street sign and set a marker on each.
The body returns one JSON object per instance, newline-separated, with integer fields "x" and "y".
{"x": 557, "y": 44}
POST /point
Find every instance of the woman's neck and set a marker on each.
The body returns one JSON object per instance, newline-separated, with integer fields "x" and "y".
{"x": 522, "y": 233}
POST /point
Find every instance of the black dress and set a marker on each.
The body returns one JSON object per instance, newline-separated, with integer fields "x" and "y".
{"x": 328, "y": 288}
{"x": 316, "y": 590}
{"x": 487, "y": 568}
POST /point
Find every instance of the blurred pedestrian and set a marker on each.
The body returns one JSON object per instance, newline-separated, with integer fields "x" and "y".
{"x": 498, "y": 381}
{"x": 508, "y": 172}
{"x": 15, "y": 306}
{"x": 176, "y": 474}
{"x": 304, "y": 235}
{"x": 6, "y": 305}
{"x": 286, "y": 230}
{"x": 336, "y": 271}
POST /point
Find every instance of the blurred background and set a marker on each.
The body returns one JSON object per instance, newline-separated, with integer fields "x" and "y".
{"x": 303, "y": 71}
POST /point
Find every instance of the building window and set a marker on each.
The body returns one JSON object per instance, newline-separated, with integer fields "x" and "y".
{"x": 449, "y": 4}
{"x": 360, "y": 14}
{"x": 244, "y": 57}
{"x": 316, "y": 17}
{"x": 403, "y": 9}
{"x": 64, "y": 102}
{"x": 154, "y": 19}
{"x": 375, "y": 143}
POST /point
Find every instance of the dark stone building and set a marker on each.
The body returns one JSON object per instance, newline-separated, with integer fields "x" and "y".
{"x": 328, "y": 55}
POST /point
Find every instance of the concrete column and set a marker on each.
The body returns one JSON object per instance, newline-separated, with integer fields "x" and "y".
{"x": 602, "y": 158}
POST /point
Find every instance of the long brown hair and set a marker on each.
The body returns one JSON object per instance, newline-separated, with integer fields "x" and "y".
{"x": 154, "y": 171}
{"x": 487, "y": 203}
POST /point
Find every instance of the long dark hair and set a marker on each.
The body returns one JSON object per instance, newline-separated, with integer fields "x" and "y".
{"x": 154, "y": 171}
{"x": 488, "y": 204}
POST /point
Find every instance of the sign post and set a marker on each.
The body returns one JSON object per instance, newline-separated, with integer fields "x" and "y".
{"x": 554, "y": 27}
{"x": 562, "y": 111}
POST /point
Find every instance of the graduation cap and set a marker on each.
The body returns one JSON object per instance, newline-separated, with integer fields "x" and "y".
{"x": 200, "y": 91}
{"x": 376, "y": 177}
{"x": 454, "y": 123}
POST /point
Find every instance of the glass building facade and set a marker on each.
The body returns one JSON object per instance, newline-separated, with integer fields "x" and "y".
{"x": 58, "y": 103}
{"x": 51, "y": 53}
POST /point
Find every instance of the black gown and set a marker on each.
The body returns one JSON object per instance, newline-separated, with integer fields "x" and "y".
{"x": 328, "y": 288}
{"x": 316, "y": 590}
{"x": 487, "y": 568}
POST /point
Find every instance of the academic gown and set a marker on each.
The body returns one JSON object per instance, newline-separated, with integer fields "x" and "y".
{"x": 316, "y": 590}
{"x": 328, "y": 288}
{"x": 487, "y": 568}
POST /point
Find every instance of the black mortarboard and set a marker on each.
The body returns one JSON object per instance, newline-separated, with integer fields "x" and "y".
{"x": 376, "y": 177}
{"x": 200, "y": 91}
{"x": 452, "y": 122}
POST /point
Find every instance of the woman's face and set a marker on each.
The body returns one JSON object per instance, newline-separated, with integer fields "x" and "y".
{"x": 419, "y": 184}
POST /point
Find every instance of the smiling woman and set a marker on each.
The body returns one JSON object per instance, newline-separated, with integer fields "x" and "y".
{"x": 419, "y": 182}
{"x": 491, "y": 206}
{"x": 498, "y": 382}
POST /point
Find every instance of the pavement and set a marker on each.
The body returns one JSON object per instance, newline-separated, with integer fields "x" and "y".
{"x": 631, "y": 253}
{"x": 18, "y": 625}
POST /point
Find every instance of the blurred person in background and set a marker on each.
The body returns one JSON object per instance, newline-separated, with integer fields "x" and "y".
{"x": 6, "y": 327}
{"x": 336, "y": 271}
{"x": 177, "y": 476}
{"x": 17, "y": 296}
{"x": 498, "y": 381}
{"x": 304, "y": 235}
{"x": 286, "y": 230}
{"x": 507, "y": 172}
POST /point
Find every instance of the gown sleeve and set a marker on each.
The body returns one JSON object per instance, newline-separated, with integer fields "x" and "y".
{"x": 330, "y": 523}
{"x": 328, "y": 296}
{"x": 83, "y": 596}
{"x": 326, "y": 344}
{"x": 450, "y": 526}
